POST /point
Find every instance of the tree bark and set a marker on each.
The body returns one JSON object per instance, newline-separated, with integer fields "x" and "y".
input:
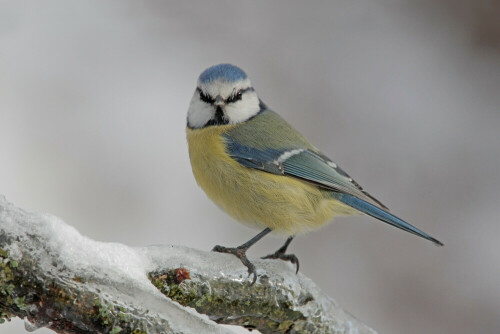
{"x": 54, "y": 277}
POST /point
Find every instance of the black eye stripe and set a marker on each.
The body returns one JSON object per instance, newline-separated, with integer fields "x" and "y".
{"x": 238, "y": 95}
{"x": 204, "y": 97}
{"x": 233, "y": 98}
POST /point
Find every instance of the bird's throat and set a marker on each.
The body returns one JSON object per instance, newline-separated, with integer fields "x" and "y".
{"x": 219, "y": 118}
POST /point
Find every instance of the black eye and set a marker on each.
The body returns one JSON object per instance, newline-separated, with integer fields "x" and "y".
{"x": 235, "y": 97}
{"x": 204, "y": 97}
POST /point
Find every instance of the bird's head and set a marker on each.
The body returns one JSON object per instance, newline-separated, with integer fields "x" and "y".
{"x": 224, "y": 95}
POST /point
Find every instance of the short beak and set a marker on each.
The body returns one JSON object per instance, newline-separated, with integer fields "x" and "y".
{"x": 219, "y": 101}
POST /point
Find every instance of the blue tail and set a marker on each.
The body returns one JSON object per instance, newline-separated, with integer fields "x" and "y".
{"x": 382, "y": 215}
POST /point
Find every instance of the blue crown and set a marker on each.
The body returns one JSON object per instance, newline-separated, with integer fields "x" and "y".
{"x": 225, "y": 72}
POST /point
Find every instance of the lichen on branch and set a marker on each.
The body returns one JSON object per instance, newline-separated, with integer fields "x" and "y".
{"x": 54, "y": 277}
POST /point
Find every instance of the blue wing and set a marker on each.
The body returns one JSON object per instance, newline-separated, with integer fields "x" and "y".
{"x": 314, "y": 167}
{"x": 383, "y": 215}
{"x": 302, "y": 163}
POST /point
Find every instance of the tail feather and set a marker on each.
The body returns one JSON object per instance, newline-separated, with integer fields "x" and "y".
{"x": 382, "y": 215}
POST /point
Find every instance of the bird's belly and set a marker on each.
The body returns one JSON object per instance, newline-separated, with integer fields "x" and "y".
{"x": 258, "y": 198}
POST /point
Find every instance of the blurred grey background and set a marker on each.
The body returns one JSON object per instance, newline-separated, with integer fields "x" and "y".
{"x": 403, "y": 94}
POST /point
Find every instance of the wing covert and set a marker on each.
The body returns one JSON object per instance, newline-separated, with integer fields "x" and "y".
{"x": 316, "y": 168}
{"x": 302, "y": 163}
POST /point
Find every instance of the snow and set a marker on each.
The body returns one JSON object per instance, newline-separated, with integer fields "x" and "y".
{"x": 113, "y": 269}
{"x": 82, "y": 256}
{"x": 116, "y": 271}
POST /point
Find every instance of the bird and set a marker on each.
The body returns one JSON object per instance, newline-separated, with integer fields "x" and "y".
{"x": 260, "y": 170}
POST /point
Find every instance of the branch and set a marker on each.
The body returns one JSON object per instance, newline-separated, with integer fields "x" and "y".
{"x": 54, "y": 277}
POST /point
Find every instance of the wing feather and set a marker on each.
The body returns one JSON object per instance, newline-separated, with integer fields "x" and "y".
{"x": 304, "y": 164}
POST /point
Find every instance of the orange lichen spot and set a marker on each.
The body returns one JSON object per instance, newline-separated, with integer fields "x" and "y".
{"x": 181, "y": 274}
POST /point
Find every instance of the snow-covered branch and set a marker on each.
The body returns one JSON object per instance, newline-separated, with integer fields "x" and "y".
{"x": 54, "y": 277}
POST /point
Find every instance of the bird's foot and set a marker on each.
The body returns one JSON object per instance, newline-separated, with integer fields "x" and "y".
{"x": 240, "y": 253}
{"x": 281, "y": 254}
{"x": 285, "y": 257}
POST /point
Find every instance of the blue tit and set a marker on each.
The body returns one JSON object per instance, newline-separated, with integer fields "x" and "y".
{"x": 262, "y": 171}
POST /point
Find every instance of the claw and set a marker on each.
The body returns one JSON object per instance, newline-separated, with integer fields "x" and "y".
{"x": 240, "y": 253}
{"x": 254, "y": 273}
{"x": 280, "y": 254}
{"x": 285, "y": 257}
{"x": 219, "y": 249}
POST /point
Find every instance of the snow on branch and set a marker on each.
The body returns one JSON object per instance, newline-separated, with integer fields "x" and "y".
{"x": 52, "y": 276}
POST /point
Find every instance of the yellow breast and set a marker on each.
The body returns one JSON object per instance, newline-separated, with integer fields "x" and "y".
{"x": 281, "y": 203}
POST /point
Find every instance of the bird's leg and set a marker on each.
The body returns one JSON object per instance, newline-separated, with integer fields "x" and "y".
{"x": 240, "y": 252}
{"x": 280, "y": 254}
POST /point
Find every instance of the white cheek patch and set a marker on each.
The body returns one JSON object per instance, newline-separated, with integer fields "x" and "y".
{"x": 243, "y": 109}
{"x": 199, "y": 112}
